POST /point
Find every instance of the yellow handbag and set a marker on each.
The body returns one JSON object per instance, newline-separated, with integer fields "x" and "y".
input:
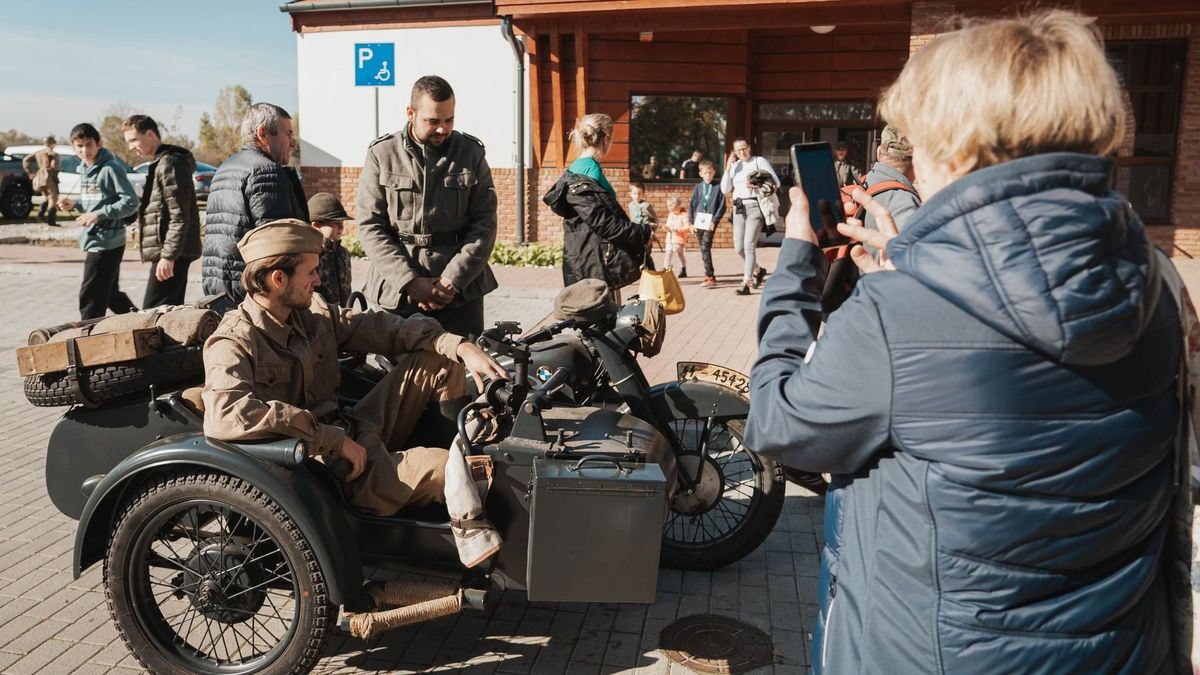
{"x": 664, "y": 287}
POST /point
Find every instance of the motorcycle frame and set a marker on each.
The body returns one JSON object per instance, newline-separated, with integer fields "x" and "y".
{"x": 660, "y": 404}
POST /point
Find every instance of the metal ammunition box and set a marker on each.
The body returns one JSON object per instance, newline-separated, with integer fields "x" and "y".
{"x": 595, "y": 529}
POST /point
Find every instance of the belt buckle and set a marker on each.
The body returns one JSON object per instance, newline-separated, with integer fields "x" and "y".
{"x": 416, "y": 240}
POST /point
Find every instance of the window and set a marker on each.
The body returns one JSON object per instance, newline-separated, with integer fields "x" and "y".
{"x": 1152, "y": 74}
{"x": 780, "y": 124}
{"x": 665, "y": 130}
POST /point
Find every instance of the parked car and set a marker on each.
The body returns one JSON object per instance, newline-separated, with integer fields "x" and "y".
{"x": 68, "y": 173}
{"x": 201, "y": 178}
{"x": 16, "y": 190}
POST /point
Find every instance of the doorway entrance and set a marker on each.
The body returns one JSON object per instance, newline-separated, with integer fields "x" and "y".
{"x": 780, "y": 125}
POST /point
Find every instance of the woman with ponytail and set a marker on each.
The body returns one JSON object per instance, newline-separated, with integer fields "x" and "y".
{"x": 599, "y": 240}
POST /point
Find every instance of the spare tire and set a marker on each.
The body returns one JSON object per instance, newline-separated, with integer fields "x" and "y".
{"x": 171, "y": 368}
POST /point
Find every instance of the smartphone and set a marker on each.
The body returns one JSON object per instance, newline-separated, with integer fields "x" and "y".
{"x": 812, "y": 164}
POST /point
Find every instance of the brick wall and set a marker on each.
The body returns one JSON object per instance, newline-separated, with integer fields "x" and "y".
{"x": 1185, "y": 197}
{"x": 929, "y": 17}
{"x": 340, "y": 181}
{"x": 543, "y": 226}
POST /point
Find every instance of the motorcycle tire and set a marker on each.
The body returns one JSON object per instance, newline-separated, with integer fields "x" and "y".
{"x": 196, "y": 562}
{"x": 171, "y": 368}
{"x": 700, "y": 547}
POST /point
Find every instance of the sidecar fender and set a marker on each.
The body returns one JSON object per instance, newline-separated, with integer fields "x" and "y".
{"x": 300, "y": 493}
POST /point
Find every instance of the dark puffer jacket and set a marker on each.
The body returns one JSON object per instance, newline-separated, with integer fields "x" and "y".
{"x": 999, "y": 414}
{"x": 168, "y": 217}
{"x": 249, "y": 189}
{"x": 599, "y": 240}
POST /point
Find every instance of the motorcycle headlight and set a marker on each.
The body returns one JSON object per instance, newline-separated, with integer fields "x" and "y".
{"x": 300, "y": 453}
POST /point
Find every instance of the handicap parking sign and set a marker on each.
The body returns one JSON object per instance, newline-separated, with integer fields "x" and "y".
{"x": 374, "y": 64}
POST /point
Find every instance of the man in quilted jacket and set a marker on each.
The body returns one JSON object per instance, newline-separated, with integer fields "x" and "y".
{"x": 252, "y": 187}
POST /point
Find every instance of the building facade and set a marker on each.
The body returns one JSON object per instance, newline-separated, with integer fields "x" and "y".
{"x": 679, "y": 76}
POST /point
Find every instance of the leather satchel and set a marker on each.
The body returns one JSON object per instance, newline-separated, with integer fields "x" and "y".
{"x": 664, "y": 287}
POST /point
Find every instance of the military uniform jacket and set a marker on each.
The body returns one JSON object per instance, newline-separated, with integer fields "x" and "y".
{"x": 265, "y": 378}
{"x": 45, "y": 174}
{"x": 421, "y": 214}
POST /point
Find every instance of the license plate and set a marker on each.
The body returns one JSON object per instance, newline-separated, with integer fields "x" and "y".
{"x": 709, "y": 372}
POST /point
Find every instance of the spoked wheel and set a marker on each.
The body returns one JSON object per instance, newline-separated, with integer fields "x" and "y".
{"x": 736, "y": 501}
{"x": 206, "y": 574}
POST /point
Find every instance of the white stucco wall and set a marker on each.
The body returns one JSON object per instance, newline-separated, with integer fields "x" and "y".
{"x": 337, "y": 119}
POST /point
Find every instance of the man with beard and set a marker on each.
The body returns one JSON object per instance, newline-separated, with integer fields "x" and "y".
{"x": 271, "y": 369}
{"x": 426, "y": 211}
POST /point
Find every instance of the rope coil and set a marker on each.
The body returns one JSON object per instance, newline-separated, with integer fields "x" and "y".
{"x": 418, "y": 601}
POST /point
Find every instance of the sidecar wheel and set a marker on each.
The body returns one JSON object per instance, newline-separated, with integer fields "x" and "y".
{"x": 735, "y": 504}
{"x": 206, "y": 574}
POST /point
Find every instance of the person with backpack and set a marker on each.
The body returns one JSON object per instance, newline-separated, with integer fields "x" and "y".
{"x": 890, "y": 180}
{"x": 599, "y": 239}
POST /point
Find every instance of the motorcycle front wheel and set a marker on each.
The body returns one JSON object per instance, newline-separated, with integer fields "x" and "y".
{"x": 734, "y": 504}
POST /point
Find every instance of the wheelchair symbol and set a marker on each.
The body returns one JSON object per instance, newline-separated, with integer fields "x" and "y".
{"x": 384, "y": 74}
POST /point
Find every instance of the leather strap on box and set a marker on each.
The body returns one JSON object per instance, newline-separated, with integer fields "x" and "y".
{"x": 81, "y": 395}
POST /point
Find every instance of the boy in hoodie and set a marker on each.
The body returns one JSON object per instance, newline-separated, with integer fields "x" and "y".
{"x": 168, "y": 218}
{"x": 106, "y": 200}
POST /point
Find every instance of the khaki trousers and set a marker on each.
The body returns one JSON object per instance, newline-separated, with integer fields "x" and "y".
{"x": 383, "y": 421}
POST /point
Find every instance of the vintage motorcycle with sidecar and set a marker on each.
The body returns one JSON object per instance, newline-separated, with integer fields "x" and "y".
{"x": 727, "y": 498}
{"x": 234, "y": 557}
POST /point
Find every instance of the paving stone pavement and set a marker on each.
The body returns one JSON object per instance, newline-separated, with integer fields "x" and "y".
{"x": 52, "y": 623}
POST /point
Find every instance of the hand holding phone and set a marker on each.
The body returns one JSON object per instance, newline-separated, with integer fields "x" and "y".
{"x": 812, "y": 165}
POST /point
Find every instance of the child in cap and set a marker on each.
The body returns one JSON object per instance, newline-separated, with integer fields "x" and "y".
{"x": 328, "y": 216}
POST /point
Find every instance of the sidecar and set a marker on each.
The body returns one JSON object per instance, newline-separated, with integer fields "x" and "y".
{"x": 234, "y": 557}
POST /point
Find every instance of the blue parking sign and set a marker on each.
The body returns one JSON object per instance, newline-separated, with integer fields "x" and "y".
{"x": 374, "y": 64}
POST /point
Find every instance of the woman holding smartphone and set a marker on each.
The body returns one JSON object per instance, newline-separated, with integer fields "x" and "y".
{"x": 997, "y": 401}
{"x": 748, "y": 220}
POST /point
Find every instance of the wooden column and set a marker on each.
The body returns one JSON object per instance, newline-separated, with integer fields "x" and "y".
{"x": 556, "y": 100}
{"x": 581, "y": 65}
{"x": 535, "y": 99}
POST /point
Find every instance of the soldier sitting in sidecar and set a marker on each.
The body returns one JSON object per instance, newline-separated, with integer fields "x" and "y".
{"x": 233, "y": 555}
{"x": 271, "y": 370}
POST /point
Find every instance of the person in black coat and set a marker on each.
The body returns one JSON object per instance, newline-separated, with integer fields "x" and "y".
{"x": 599, "y": 240}
{"x": 252, "y": 187}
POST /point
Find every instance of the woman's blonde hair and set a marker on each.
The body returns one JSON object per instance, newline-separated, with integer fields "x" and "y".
{"x": 591, "y": 130}
{"x": 996, "y": 90}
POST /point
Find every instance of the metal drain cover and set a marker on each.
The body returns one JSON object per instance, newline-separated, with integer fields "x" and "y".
{"x": 708, "y": 643}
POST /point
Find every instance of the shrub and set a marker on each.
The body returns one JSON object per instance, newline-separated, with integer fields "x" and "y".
{"x": 527, "y": 255}
{"x": 354, "y": 246}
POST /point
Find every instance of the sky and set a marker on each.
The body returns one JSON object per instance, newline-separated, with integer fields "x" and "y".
{"x": 68, "y": 61}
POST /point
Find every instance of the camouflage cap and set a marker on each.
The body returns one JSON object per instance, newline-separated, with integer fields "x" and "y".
{"x": 280, "y": 237}
{"x": 895, "y": 143}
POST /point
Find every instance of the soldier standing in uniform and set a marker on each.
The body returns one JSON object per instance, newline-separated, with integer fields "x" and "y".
{"x": 427, "y": 215}
{"x": 45, "y": 179}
